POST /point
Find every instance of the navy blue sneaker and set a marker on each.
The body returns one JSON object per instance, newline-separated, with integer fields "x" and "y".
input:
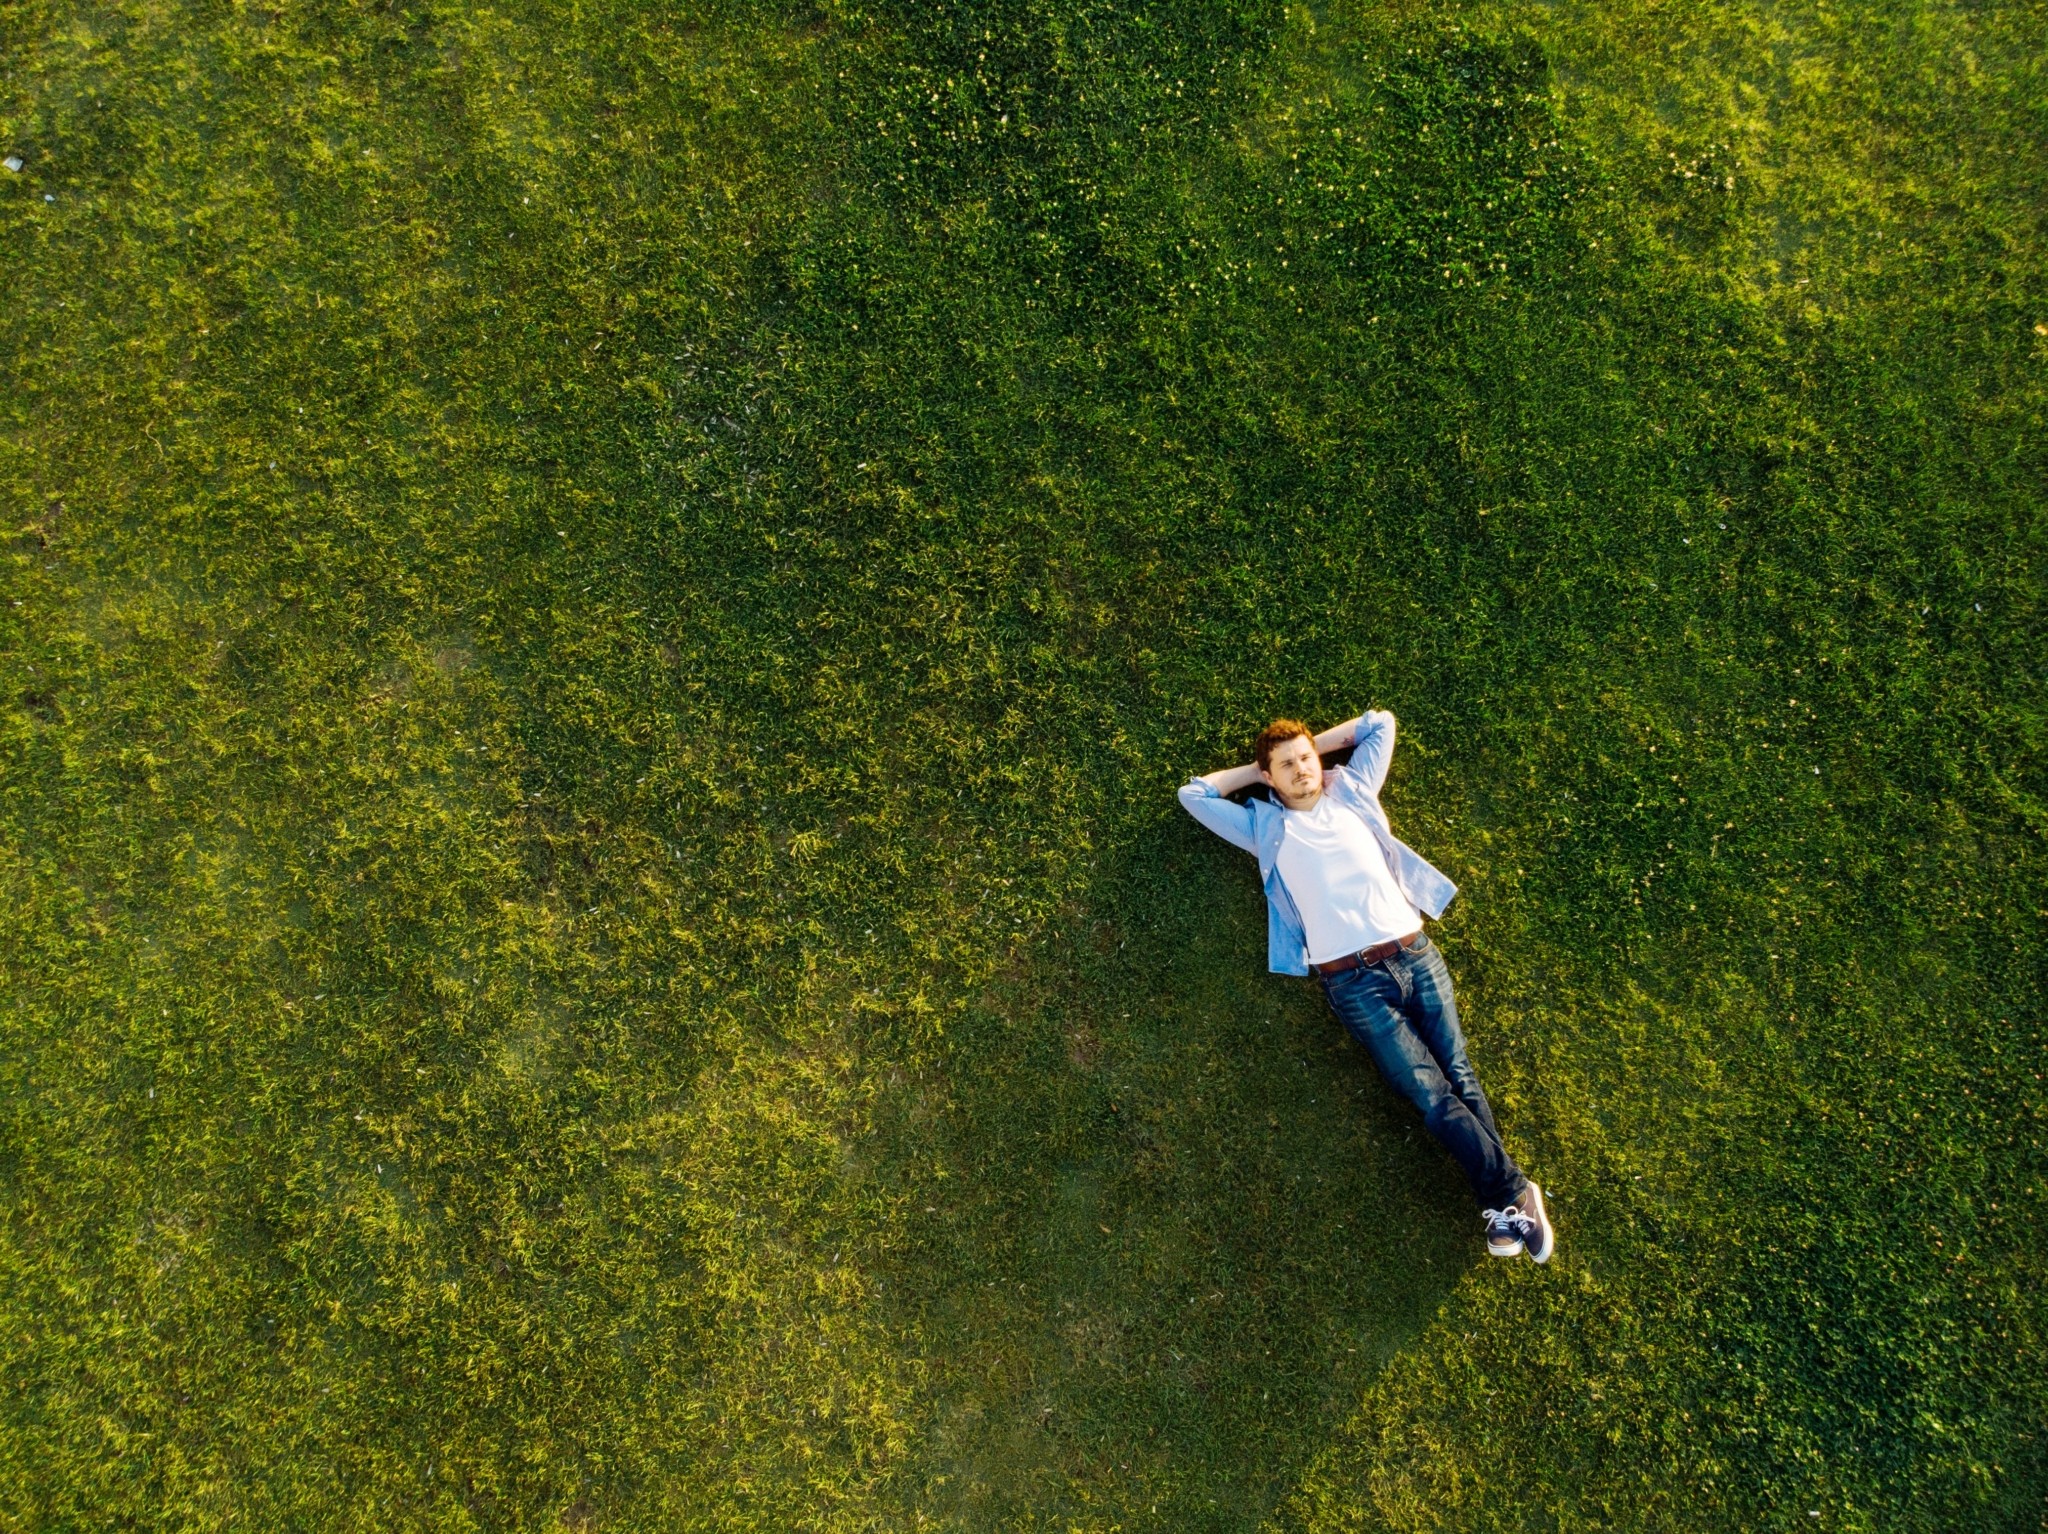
{"x": 1532, "y": 1223}
{"x": 1503, "y": 1235}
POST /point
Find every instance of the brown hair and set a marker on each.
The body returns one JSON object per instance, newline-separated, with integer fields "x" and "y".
{"x": 1276, "y": 735}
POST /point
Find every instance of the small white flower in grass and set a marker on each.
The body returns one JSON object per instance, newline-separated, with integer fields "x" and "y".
{"x": 48, "y": 198}
{"x": 13, "y": 163}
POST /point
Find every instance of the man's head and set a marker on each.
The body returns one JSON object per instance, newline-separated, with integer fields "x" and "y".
{"x": 1288, "y": 763}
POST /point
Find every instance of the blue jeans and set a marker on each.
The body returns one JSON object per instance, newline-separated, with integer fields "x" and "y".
{"x": 1403, "y": 1012}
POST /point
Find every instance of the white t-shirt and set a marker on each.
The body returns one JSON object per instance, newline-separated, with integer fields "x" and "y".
{"x": 1332, "y": 865}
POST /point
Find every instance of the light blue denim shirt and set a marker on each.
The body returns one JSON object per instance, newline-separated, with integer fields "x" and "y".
{"x": 1256, "y": 827}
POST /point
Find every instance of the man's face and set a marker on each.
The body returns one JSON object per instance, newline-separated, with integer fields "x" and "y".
{"x": 1295, "y": 773}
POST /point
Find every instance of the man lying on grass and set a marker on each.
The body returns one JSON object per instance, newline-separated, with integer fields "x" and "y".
{"x": 1345, "y": 899}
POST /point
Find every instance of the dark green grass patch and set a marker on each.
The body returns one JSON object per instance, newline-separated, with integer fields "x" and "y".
{"x": 602, "y": 611}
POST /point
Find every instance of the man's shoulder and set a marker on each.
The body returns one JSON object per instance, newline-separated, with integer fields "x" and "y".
{"x": 1268, "y": 816}
{"x": 1356, "y": 795}
{"x": 1348, "y": 782}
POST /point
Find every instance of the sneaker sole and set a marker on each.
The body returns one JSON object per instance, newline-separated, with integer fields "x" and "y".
{"x": 1513, "y": 1251}
{"x": 1543, "y": 1204}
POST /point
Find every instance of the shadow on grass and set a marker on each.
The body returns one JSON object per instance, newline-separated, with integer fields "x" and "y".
{"x": 1187, "y": 1223}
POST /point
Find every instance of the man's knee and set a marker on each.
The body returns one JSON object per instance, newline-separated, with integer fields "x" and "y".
{"x": 1433, "y": 1097}
{"x": 1465, "y": 1082}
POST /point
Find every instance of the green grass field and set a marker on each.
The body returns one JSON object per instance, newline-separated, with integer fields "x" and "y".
{"x": 603, "y": 607}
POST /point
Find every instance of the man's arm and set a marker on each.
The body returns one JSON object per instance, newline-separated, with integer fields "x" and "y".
{"x": 1203, "y": 800}
{"x": 1228, "y": 780}
{"x": 1373, "y": 739}
{"x": 1338, "y": 736}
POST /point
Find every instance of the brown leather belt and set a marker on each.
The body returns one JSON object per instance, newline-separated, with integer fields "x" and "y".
{"x": 1366, "y": 956}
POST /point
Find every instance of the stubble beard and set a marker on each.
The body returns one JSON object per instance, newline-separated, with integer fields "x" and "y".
{"x": 1307, "y": 801}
